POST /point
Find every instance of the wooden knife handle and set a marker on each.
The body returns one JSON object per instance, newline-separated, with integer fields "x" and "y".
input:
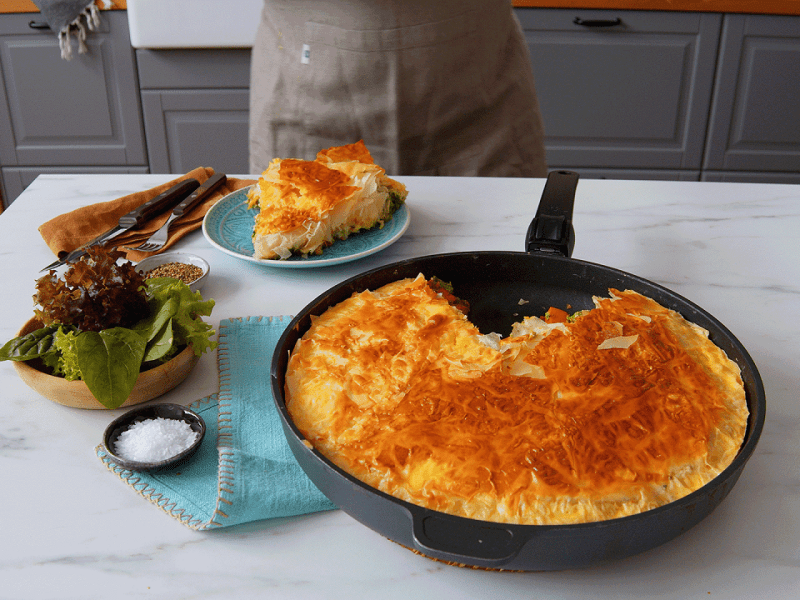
{"x": 208, "y": 186}
{"x": 162, "y": 202}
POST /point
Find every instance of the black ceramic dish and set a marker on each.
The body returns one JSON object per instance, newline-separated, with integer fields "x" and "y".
{"x": 142, "y": 413}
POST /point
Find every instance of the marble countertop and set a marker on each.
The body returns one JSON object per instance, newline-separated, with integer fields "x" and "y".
{"x": 70, "y": 529}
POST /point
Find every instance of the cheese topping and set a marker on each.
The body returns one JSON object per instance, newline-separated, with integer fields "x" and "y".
{"x": 306, "y": 205}
{"x": 627, "y": 408}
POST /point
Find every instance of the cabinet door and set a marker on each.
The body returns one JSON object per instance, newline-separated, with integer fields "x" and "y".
{"x": 79, "y": 112}
{"x": 623, "y": 89}
{"x": 755, "y": 122}
{"x": 195, "y": 106}
{"x": 192, "y": 128}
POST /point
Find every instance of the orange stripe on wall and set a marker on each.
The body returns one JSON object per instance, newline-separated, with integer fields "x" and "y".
{"x": 26, "y": 6}
{"x": 766, "y": 7}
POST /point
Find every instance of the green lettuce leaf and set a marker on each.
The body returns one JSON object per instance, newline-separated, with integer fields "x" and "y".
{"x": 67, "y": 364}
{"x": 187, "y": 326}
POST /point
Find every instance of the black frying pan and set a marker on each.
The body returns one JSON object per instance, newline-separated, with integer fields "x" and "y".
{"x": 494, "y": 283}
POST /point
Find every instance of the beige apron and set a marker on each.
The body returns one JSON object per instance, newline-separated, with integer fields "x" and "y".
{"x": 439, "y": 87}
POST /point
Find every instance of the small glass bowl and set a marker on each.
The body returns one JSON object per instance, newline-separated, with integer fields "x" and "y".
{"x": 151, "y": 262}
{"x": 142, "y": 413}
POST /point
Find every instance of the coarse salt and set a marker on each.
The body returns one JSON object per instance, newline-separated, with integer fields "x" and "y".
{"x": 154, "y": 440}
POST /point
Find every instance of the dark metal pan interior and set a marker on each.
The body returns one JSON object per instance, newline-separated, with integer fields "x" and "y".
{"x": 502, "y": 288}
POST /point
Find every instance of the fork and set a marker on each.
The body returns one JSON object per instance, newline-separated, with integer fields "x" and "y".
{"x": 160, "y": 237}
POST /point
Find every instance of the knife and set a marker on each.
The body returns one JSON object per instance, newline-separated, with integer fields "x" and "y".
{"x": 132, "y": 220}
{"x": 159, "y": 239}
{"x": 208, "y": 186}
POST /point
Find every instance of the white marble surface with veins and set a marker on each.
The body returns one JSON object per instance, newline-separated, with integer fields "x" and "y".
{"x": 70, "y": 529}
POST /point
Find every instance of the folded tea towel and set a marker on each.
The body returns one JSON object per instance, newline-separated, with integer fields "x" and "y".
{"x": 63, "y": 15}
{"x": 244, "y": 470}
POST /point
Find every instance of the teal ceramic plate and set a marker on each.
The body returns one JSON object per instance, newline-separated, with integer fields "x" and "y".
{"x": 228, "y": 225}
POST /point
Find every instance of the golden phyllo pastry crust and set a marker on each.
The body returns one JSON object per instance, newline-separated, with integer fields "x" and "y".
{"x": 625, "y": 409}
{"x": 305, "y": 205}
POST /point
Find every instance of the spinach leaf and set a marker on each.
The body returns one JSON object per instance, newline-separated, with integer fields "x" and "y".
{"x": 109, "y": 361}
{"x": 32, "y": 345}
{"x": 161, "y": 312}
{"x": 161, "y": 344}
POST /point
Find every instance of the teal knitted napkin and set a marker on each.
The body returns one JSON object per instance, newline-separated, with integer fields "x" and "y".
{"x": 243, "y": 470}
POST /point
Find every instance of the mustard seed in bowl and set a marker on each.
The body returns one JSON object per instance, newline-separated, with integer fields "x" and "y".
{"x": 189, "y": 268}
{"x": 186, "y": 273}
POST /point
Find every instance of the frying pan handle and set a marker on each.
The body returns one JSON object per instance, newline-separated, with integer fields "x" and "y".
{"x": 460, "y": 541}
{"x": 551, "y": 229}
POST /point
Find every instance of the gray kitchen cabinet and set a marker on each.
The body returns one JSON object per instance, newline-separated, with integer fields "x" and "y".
{"x": 56, "y": 114}
{"x": 195, "y": 106}
{"x": 754, "y": 130}
{"x": 623, "y": 93}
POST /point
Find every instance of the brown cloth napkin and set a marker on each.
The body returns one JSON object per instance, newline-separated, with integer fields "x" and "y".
{"x": 73, "y": 229}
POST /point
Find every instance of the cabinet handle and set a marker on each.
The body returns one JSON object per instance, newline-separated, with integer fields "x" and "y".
{"x": 597, "y": 22}
{"x": 38, "y": 25}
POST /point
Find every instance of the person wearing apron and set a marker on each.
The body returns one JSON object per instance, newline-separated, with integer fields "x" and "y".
{"x": 440, "y": 87}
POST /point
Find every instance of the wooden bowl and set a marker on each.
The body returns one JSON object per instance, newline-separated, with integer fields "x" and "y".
{"x": 150, "y": 384}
